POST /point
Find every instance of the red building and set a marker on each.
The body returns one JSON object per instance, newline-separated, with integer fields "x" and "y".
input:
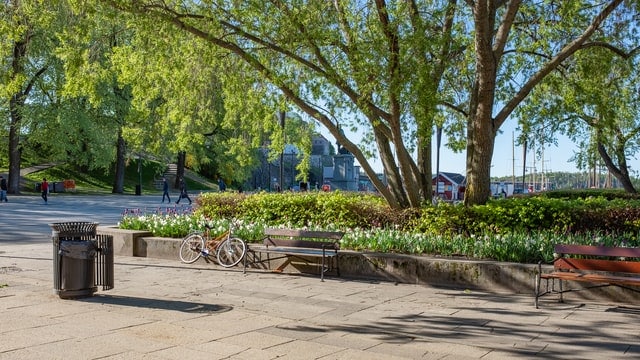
{"x": 449, "y": 186}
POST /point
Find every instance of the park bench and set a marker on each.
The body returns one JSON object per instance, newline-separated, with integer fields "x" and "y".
{"x": 601, "y": 265}
{"x": 298, "y": 245}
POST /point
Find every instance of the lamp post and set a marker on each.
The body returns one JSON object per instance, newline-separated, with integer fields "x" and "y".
{"x": 139, "y": 188}
{"x": 524, "y": 164}
{"x": 282, "y": 117}
{"x": 438, "y": 140}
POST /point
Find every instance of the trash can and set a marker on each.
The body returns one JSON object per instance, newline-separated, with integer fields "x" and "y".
{"x": 58, "y": 187}
{"x": 138, "y": 190}
{"x": 76, "y": 247}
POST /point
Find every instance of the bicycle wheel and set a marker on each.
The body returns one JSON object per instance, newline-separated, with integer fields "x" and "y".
{"x": 191, "y": 248}
{"x": 230, "y": 252}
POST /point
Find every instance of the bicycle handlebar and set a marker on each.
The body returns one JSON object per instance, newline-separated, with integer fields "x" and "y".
{"x": 232, "y": 225}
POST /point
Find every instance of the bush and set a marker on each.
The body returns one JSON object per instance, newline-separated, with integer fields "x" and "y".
{"x": 519, "y": 229}
{"x": 220, "y": 205}
{"x": 306, "y": 209}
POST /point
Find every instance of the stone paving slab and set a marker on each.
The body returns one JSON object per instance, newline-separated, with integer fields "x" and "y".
{"x": 163, "y": 309}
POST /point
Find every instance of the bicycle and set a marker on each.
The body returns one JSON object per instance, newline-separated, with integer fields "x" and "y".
{"x": 229, "y": 250}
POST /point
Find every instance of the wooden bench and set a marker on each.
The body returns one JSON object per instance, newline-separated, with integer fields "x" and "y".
{"x": 301, "y": 245}
{"x": 600, "y": 265}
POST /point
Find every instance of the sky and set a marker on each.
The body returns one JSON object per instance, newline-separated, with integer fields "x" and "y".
{"x": 556, "y": 158}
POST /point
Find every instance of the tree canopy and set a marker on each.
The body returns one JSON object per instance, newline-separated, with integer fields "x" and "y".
{"x": 208, "y": 78}
{"x": 393, "y": 69}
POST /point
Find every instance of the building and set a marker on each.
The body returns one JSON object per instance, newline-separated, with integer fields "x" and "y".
{"x": 449, "y": 186}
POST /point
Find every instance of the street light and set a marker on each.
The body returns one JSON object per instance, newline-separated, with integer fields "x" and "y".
{"x": 282, "y": 117}
{"x": 438, "y": 140}
{"x": 139, "y": 187}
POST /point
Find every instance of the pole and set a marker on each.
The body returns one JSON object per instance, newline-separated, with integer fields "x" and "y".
{"x": 139, "y": 189}
{"x": 524, "y": 164}
{"x": 282, "y": 116}
{"x": 513, "y": 161}
{"x": 438, "y": 140}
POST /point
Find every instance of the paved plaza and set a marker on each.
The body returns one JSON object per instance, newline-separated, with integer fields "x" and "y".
{"x": 162, "y": 309}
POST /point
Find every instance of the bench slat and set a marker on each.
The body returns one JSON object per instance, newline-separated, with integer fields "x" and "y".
{"x": 301, "y": 243}
{"x": 332, "y": 235}
{"x": 571, "y": 264}
{"x": 597, "y": 250}
{"x": 296, "y": 251}
{"x": 593, "y": 277}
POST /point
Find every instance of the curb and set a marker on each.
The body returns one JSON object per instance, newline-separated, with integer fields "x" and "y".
{"x": 492, "y": 276}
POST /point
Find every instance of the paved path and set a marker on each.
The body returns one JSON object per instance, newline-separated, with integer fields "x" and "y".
{"x": 25, "y": 218}
{"x": 162, "y": 309}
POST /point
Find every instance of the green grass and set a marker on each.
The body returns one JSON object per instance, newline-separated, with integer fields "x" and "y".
{"x": 100, "y": 181}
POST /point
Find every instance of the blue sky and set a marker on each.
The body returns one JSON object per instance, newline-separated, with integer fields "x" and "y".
{"x": 556, "y": 158}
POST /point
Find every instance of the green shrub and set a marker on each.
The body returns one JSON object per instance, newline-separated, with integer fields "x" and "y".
{"x": 519, "y": 229}
{"x": 523, "y": 215}
{"x": 306, "y": 209}
{"x": 573, "y": 194}
{"x": 220, "y": 205}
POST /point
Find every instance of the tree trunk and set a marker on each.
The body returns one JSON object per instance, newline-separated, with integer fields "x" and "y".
{"x": 479, "y": 154}
{"x": 13, "y": 181}
{"x": 118, "y": 184}
{"x": 182, "y": 156}
{"x": 424, "y": 164}
{"x": 394, "y": 189}
{"x": 16, "y": 105}
{"x": 621, "y": 172}
{"x": 480, "y": 126}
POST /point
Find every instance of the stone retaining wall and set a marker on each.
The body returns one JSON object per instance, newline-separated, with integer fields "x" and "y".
{"x": 447, "y": 272}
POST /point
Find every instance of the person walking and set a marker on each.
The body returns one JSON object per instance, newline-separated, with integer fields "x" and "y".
{"x": 45, "y": 190}
{"x": 3, "y": 189}
{"x": 165, "y": 190}
{"x": 183, "y": 192}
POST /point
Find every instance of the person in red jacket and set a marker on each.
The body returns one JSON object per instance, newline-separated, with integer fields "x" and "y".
{"x": 45, "y": 189}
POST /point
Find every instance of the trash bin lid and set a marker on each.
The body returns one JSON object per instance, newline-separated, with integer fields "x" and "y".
{"x": 75, "y": 228}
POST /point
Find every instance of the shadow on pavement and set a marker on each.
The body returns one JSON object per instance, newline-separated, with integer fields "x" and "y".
{"x": 149, "y": 303}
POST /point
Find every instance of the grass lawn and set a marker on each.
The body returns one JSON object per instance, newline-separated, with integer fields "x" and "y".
{"x": 101, "y": 181}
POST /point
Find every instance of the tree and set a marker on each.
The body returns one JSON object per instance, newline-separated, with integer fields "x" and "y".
{"x": 47, "y": 124}
{"x": 92, "y": 74}
{"x": 593, "y": 100}
{"x": 390, "y": 69}
{"x": 24, "y": 52}
{"x": 351, "y": 64}
{"x": 543, "y": 36}
{"x": 184, "y": 104}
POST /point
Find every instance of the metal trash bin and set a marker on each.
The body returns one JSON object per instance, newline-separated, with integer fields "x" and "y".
{"x": 76, "y": 247}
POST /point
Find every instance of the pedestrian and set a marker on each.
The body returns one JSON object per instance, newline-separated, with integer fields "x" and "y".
{"x": 45, "y": 189}
{"x": 165, "y": 190}
{"x": 221, "y": 185}
{"x": 3, "y": 189}
{"x": 183, "y": 192}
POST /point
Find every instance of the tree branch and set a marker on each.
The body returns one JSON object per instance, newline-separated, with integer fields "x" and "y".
{"x": 616, "y": 50}
{"x": 566, "y": 52}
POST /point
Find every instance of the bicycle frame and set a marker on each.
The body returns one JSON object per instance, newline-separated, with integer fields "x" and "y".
{"x": 229, "y": 250}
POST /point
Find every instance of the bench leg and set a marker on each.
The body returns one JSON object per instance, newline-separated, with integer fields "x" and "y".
{"x": 561, "y": 292}
{"x": 244, "y": 264}
{"x": 537, "y": 284}
{"x": 322, "y": 268}
{"x": 244, "y": 269}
